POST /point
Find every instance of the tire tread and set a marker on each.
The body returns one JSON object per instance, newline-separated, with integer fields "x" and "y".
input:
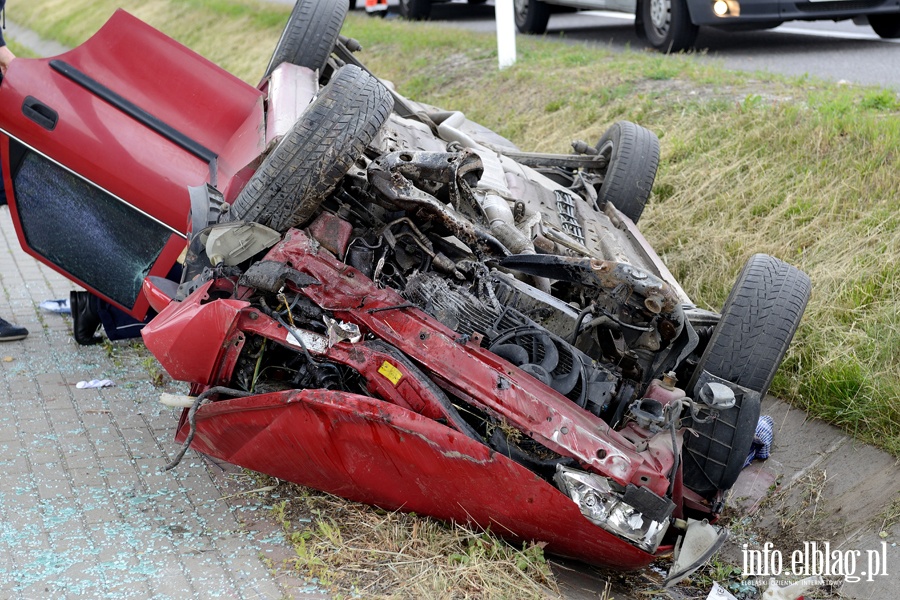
{"x": 632, "y": 168}
{"x": 758, "y": 322}
{"x": 310, "y": 34}
{"x": 316, "y": 153}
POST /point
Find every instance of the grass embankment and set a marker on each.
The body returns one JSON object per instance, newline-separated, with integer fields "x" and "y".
{"x": 804, "y": 170}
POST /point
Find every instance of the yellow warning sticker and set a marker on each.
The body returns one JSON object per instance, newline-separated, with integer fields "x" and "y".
{"x": 391, "y": 372}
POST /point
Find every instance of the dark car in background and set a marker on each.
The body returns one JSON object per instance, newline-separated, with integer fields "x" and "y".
{"x": 672, "y": 25}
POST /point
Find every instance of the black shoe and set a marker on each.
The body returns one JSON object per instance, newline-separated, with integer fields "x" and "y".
{"x": 85, "y": 319}
{"x": 10, "y": 332}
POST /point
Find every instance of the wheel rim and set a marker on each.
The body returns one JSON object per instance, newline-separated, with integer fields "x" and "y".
{"x": 660, "y": 14}
{"x": 606, "y": 150}
{"x": 521, "y": 8}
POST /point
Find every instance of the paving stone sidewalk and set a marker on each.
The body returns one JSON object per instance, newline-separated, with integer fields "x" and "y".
{"x": 85, "y": 508}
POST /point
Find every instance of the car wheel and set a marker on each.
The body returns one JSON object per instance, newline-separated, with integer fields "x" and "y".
{"x": 758, "y": 321}
{"x": 632, "y": 154}
{"x": 316, "y": 153}
{"x": 352, "y": 4}
{"x": 415, "y": 10}
{"x": 532, "y": 16}
{"x": 310, "y": 34}
{"x": 886, "y": 26}
{"x": 667, "y": 25}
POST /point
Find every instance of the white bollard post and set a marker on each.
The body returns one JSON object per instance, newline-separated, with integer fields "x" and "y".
{"x": 506, "y": 32}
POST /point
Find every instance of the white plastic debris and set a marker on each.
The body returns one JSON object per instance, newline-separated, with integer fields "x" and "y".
{"x": 60, "y": 306}
{"x": 176, "y": 400}
{"x": 719, "y": 593}
{"x": 94, "y": 383}
{"x": 792, "y": 591}
{"x": 339, "y": 331}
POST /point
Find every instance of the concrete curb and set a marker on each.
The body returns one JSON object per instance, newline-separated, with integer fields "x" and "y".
{"x": 32, "y": 40}
{"x": 832, "y": 488}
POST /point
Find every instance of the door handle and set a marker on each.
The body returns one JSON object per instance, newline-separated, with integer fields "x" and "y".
{"x": 40, "y": 113}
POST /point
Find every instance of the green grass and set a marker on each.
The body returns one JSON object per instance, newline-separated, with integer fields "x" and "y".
{"x": 379, "y": 554}
{"x": 19, "y": 50}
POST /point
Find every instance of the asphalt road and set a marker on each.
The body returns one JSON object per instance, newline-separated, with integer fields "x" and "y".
{"x": 834, "y": 51}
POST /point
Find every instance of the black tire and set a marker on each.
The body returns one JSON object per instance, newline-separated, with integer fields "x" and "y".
{"x": 352, "y": 4}
{"x": 632, "y": 154}
{"x": 311, "y": 159}
{"x": 415, "y": 10}
{"x": 532, "y": 16}
{"x": 476, "y": 2}
{"x": 758, "y": 322}
{"x": 886, "y": 26}
{"x": 667, "y": 25}
{"x": 309, "y": 35}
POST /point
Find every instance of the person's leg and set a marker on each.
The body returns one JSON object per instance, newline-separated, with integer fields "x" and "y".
{"x": 376, "y": 7}
{"x": 89, "y": 312}
{"x": 85, "y": 318}
{"x": 119, "y": 325}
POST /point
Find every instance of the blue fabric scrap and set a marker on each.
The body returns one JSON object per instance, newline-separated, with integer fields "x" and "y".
{"x": 762, "y": 440}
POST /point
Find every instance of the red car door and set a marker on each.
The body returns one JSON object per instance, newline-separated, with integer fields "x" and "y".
{"x": 100, "y": 144}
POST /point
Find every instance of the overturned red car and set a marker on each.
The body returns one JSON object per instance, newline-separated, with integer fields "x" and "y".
{"x": 386, "y": 301}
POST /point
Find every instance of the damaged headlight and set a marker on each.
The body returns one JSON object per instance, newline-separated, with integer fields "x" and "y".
{"x": 616, "y": 511}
